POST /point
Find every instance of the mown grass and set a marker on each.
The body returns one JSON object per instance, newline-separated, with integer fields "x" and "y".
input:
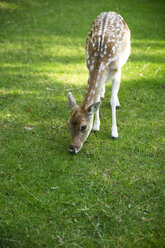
{"x": 111, "y": 194}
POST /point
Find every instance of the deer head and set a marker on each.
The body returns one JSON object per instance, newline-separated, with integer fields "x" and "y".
{"x": 80, "y": 123}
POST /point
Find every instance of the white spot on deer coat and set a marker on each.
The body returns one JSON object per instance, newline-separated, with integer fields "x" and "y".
{"x": 91, "y": 67}
{"x": 87, "y": 54}
{"x": 99, "y": 39}
{"x": 113, "y": 49}
{"x": 92, "y": 92}
{"x": 102, "y": 67}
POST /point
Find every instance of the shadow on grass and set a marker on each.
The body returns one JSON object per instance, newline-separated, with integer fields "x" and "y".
{"x": 141, "y": 57}
{"x": 155, "y": 44}
{"x": 48, "y": 113}
{"x": 27, "y": 60}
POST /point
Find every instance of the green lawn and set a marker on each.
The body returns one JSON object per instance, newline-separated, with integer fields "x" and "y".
{"x": 111, "y": 193}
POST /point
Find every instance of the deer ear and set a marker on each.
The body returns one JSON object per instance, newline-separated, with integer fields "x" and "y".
{"x": 71, "y": 100}
{"x": 93, "y": 108}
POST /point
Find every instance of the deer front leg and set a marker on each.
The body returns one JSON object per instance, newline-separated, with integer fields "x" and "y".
{"x": 96, "y": 126}
{"x": 115, "y": 102}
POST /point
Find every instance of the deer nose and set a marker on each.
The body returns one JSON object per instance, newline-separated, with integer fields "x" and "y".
{"x": 72, "y": 149}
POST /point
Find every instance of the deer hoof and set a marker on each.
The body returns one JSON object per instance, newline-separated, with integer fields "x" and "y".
{"x": 115, "y": 138}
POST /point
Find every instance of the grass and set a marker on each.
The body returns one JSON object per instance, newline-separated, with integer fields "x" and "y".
{"x": 111, "y": 194}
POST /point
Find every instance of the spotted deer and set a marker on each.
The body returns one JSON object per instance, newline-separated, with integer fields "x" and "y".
{"x": 107, "y": 50}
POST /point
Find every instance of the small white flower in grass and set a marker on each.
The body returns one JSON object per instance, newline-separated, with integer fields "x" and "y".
{"x": 52, "y": 188}
{"x": 28, "y": 128}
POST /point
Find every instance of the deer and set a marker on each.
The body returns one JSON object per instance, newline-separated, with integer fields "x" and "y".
{"x": 107, "y": 49}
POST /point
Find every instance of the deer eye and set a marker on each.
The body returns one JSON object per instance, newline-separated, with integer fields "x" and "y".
{"x": 83, "y": 127}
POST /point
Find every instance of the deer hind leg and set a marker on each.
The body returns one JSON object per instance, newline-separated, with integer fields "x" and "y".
{"x": 115, "y": 102}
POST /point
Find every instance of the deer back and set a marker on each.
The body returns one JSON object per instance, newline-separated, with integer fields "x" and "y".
{"x": 106, "y": 43}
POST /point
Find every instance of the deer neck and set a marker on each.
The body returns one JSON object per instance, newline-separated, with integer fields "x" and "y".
{"x": 96, "y": 82}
